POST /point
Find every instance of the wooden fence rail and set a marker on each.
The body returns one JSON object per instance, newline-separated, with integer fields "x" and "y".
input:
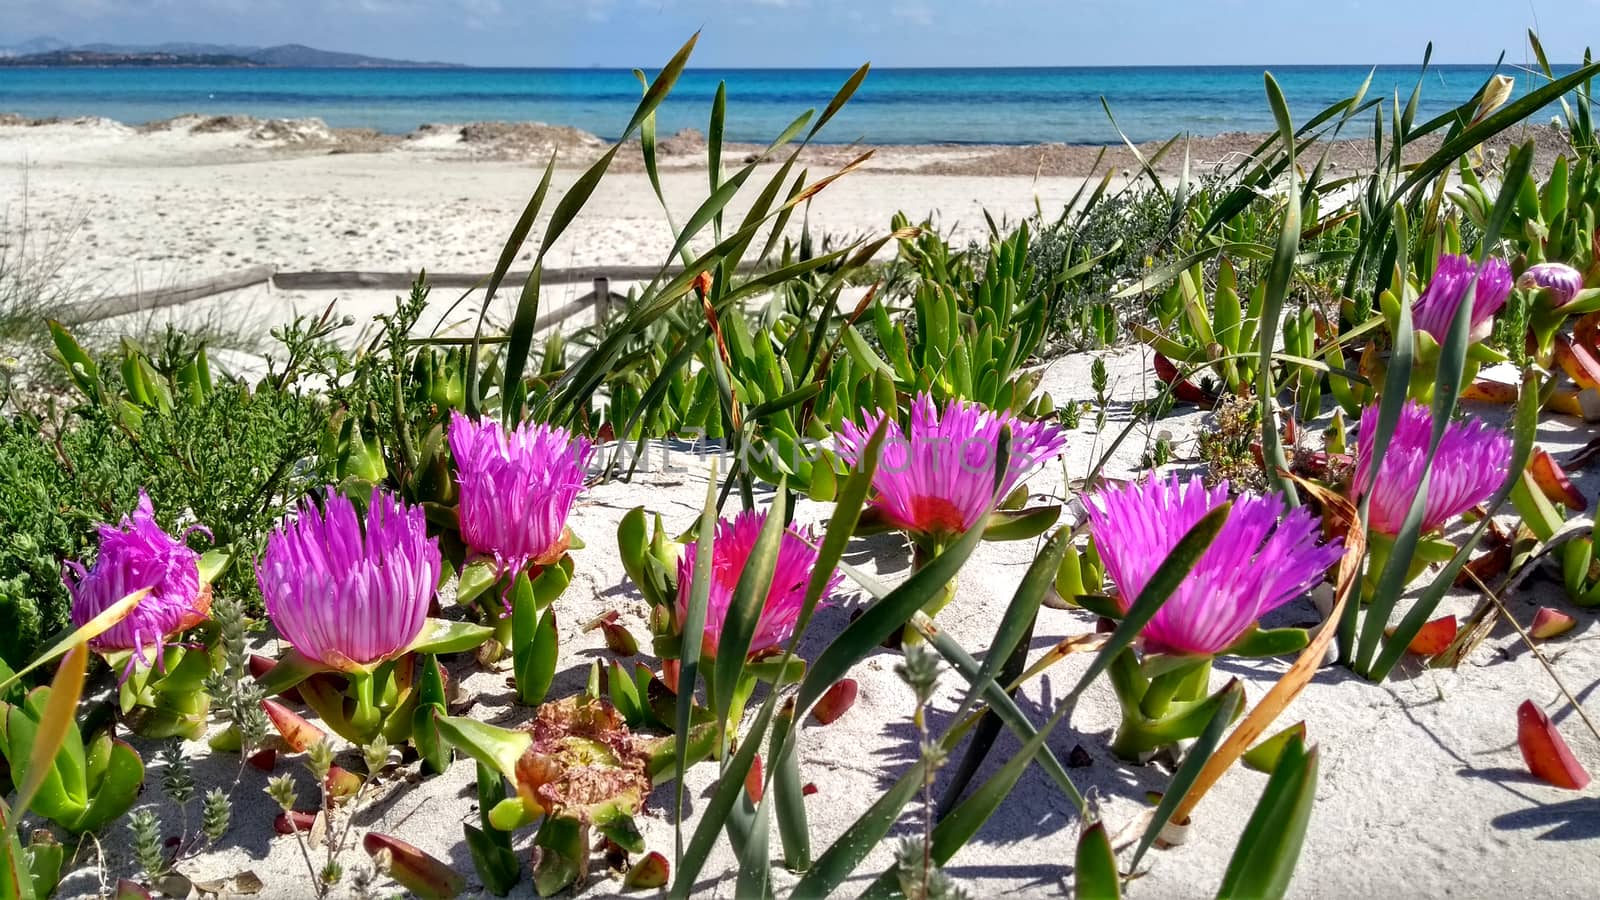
{"x": 143, "y": 301}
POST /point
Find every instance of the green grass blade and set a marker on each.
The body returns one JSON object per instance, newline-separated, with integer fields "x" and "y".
{"x": 788, "y": 793}
{"x": 508, "y": 255}
{"x": 1006, "y": 659}
{"x": 714, "y": 815}
{"x": 744, "y": 610}
{"x": 694, "y": 623}
{"x": 1000, "y": 703}
{"x": 1094, "y": 872}
{"x": 1422, "y": 608}
{"x": 846, "y": 854}
{"x": 659, "y": 88}
{"x": 840, "y": 98}
{"x": 755, "y": 863}
{"x": 1447, "y": 386}
{"x": 1278, "y": 281}
{"x": 719, "y": 115}
{"x": 1189, "y": 769}
{"x": 862, "y": 636}
{"x": 1264, "y": 860}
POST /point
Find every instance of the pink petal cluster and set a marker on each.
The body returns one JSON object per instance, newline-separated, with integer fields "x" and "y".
{"x": 730, "y": 551}
{"x": 133, "y": 556}
{"x": 517, "y": 488}
{"x": 346, "y": 591}
{"x": 1260, "y": 560}
{"x": 1469, "y": 466}
{"x": 937, "y": 479}
{"x": 1561, "y": 280}
{"x": 1447, "y": 290}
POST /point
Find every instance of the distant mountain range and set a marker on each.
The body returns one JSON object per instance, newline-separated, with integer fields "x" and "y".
{"x": 49, "y": 51}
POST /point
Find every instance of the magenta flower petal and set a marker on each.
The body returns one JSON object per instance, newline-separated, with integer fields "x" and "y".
{"x": 1257, "y": 563}
{"x": 516, "y": 488}
{"x": 1561, "y": 280}
{"x": 735, "y": 539}
{"x": 1447, "y": 290}
{"x": 135, "y": 555}
{"x": 1470, "y": 465}
{"x": 346, "y": 592}
{"x": 938, "y": 479}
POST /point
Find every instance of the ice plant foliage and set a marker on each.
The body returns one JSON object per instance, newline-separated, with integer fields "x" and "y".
{"x": 345, "y": 592}
{"x": 1561, "y": 280}
{"x": 1259, "y": 561}
{"x": 1448, "y": 288}
{"x": 731, "y": 548}
{"x": 135, "y": 555}
{"x": 1470, "y": 464}
{"x": 937, "y": 479}
{"x": 517, "y": 488}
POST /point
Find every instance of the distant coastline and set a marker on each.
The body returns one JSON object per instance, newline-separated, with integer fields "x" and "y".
{"x": 195, "y": 56}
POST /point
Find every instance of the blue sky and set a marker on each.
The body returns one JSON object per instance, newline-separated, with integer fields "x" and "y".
{"x": 839, "y": 32}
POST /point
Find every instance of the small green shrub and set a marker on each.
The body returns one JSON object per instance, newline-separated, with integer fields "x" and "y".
{"x": 232, "y": 458}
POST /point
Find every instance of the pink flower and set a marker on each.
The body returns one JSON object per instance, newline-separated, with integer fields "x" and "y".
{"x": 938, "y": 479}
{"x": 347, "y": 593}
{"x": 516, "y": 489}
{"x": 1561, "y": 280}
{"x": 135, "y": 555}
{"x": 1257, "y": 563}
{"x": 1469, "y": 466}
{"x": 1447, "y": 290}
{"x": 731, "y": 548}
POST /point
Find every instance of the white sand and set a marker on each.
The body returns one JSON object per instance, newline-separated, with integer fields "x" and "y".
{"x": 1423, "y": 792}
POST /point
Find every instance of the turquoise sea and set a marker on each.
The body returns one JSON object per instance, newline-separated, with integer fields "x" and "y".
{"x": 1012, "y": 106}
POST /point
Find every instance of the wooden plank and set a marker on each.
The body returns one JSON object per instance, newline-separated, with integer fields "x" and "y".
{"x": 124, "y": 304}
{"x": 399, "y": 281}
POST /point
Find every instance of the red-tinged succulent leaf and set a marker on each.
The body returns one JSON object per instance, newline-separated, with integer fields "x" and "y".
{"x": 1565, "y": 401}
{"x": 1490, "y": 392}
{"x": 1547, "y": 755}
{"x": 1488, "y": 566}
{"x": 297, "y": 732}
{"x": 1578, "y": 362}
{"x": 651, "y": 871}
{"x": 265, "y": 760}
{"x": 1555, "y": 484}
{"x": 1165, "y": 370}
{"x": 294, "y": 820}
{"x": 128, "y": 889}
{"x": 836, "y": 701}
{"x": 752, "y": 780}
{"x": 1549, "y": 623}
{"x": 260, "y": 666}
{"x": 618, "y": 639}
{"x": 341, "y": 783}
{"x": 418, "y": 872}
{"x": 1183, "y": 389}
{"x": 1434, "y": 637}
{"x": 669, "y": 674}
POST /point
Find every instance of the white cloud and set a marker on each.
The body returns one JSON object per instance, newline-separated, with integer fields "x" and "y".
{"x": 912, "y": 13}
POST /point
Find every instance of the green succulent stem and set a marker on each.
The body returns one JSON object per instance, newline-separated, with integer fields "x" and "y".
{"x": 923, "y": 551}
{"x": 367, "y": 717}
{"x": 1184, "y": 684}
{"x": 1160, "y": 710}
